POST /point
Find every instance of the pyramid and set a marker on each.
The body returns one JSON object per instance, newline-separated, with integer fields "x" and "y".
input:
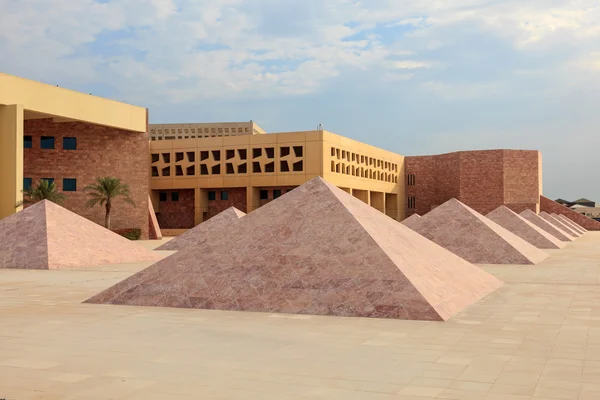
{"x": 202, "y": 232}
{"x": 315, "y": 250}
{"x": 412, "y": 220}
{"x": 570, "y": 223}
{"x": 545, "y": 225}
{"x": 510, "y": 220}
{"x": 558, "y": 225}
{"x": 468, "y": 234}
{"x": 47, "y": 236}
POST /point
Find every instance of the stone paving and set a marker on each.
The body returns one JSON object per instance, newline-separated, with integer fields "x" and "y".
{"x": 535, "y": 338}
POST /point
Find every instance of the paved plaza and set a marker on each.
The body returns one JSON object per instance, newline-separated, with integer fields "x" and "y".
{"x": 537, "y": 337}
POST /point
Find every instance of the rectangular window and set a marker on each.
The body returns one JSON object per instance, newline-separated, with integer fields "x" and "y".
{"x": 49, "y": 180}
{"x": 27, "y": 183}
{"x": 264, "y": 194}
{"x": 69, "y": 143}
{"x": 224, "y": 195}
{"x": 162, "y": 196}
{"x": 47, "y": 142}
{"x": 27, "y": 142}
{"x": 276, "y": 193}
{"x": 411, "y": 202}
{"x": 212, "y": 195}
{"x": 410, "y": 179}
{"x": 174, "y": 196}
{"x": 69, "y": 185}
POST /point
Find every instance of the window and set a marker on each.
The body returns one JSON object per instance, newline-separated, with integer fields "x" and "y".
{"x": 212, "y": 195}
{"x": 69, "y": 143}
{"x": 224, "y": 195}
{"x": 411, "y": 202}
{"x": 47, "y": 142}
{"x": 155, "y": 158}
{"x": 264, "y": 194}
{"x": 276, "y": 193}
{"x": 174, "y": 196}
{"x": 49, "y": 180}
{"x": 410, "y": 179}
{"x": 27, "y": 183}
{"x": 162, "y": 196}
{"x": 69, "y": 185}
{"x": 27, "y": 142}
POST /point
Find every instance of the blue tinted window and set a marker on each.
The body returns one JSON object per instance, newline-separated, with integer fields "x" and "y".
{"x": 174, "y": 196}
{"x": 27, "y": 142}
{"x": 70, "y": 143}
{"x": 69, "y": 185}
{"x": 212, "y": 195}
{"x": 47, "y": 142}
{"x": 224, "y": 195}
{"x": 49, "y": 180}
{"x": 27, "y": 183}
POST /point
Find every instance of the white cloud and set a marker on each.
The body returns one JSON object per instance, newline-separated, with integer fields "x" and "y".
{"x": 409, "y": 64}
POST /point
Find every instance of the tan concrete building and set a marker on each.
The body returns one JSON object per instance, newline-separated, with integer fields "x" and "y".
{"x": 203, "y": 130}
{"x": 195, "y": 179}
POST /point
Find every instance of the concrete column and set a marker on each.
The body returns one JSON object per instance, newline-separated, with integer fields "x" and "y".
{"x": 200, "y": 205}
{"x": 252, "y": 198}
{"x": 11, "y": 159}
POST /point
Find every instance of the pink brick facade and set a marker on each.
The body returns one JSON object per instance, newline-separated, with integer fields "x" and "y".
{"x": 483, "y": 180}
{"x": 236, "y": 197}
{"x": 101, "y": 151}
{"x": 178, "y": 212}
{"x": 551, "y": 207}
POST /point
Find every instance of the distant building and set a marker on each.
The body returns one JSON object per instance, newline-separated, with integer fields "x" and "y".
{"x": 581, "y": 202}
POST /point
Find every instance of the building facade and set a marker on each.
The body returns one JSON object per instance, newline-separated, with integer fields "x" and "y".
{"x": 203, "y": 130}
{"x": 71, "y": 138}
{"x": 192, "y": 180}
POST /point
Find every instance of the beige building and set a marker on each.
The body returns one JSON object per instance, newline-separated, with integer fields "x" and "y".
{"x": 203, "y": 130}
{"x": 196, "y": 178}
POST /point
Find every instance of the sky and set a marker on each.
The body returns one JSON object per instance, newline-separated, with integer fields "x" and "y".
{"x": 413, "y": 77}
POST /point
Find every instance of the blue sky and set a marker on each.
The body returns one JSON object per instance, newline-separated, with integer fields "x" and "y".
{"x": 420, "y": 77}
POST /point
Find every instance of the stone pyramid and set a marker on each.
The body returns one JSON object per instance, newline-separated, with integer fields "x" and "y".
{"x": 557, "y": 225}
{"x": 201, "y": 233}
{"x": 48, "y": 236}
{"x": 468, "y": 234}
{"x": 412, "y": 220}
{"x": 315, "y": 250}
{"x": 570, "y": 223}
{"x": 545, "y": 225}
{"x": 510, "y": 220}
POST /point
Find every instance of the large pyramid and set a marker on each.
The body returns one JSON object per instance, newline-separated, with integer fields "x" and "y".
{"x": 315, "y": 250}
{"x": 510, "y": 220}
{"x": 545, "y": 225}
{"x": 412, "y": 220}
{"x": 47, "y": 236}
{"x": 468, "y": 234}
{"x": 204, "y": 231}
{"x": 568, "y": 222}
{"x": 562, "y": 226}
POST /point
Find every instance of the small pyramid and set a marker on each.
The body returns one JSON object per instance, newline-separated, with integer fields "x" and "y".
{"x": 545, "y": 225}
{"x": 570, "y": 223}
{"x": 203, "y": 232}
{"x": 411, "y": 221}
{"x": 510, "y": 220}
{"x": 550, "y": 219}
{"x": 565, "y": 226}
{"x": 316, "y": 250}
{"x": 48, "y": 236}
{"x": 468, "y": 234}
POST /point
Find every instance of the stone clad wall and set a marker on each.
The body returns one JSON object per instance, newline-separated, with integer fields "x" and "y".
{"x": 551, "y": 206}
{"x": 177, "y": 214}
{"x": 101, "y": 151}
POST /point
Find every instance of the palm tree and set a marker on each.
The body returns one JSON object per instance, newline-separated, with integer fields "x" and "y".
{"x": 104, "y": 191}
{"x": 44, "y": 190}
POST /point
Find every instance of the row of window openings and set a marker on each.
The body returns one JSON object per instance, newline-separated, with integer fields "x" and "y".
{"x": 229, "y": 169}
{"x": 348, "y": 155}
{"x": 229, "y": 154}
{"x": 69, "y": 184}
{"x": 410, "y": 179}
{"x": 411, "y": 203}
{"x": 363, "y": 173}
{"x": 47, "y": 142}
{"x": 206, "y": 130}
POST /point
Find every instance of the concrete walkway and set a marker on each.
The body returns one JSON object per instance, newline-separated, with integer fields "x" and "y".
{"x": 538, "y": 337}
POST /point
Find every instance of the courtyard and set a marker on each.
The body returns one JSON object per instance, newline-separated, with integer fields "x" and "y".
{"x": 537, "y": 337}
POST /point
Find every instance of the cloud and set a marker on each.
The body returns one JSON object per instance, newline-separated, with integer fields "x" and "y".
{"x": 409, "y": 64}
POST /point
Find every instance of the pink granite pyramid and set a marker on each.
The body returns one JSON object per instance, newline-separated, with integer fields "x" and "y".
{"x": 201, "y": 233}
{"x": 411, "y": 221}
{"x": 48, "y": 236}
{"x": 468, "y": 234}
{"x": 545, "y": 225}
{"x": 510, "y": 220}
{"x": 570, "y": 223}
{"x": 315, "y": 250}
{"x": 555, "y": 223}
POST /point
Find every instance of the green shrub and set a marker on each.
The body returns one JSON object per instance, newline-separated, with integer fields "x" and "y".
{"x": 129, "y": 233}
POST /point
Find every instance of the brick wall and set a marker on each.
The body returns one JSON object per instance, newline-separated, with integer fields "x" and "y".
{"x": 270, "y": 192}
{"x": 482, "y": 180}
{"x": 551, "y": 206}
{"x": 101, "y": 151}
{"x": 236, "y": 198}
{"x": 177, "y": 214}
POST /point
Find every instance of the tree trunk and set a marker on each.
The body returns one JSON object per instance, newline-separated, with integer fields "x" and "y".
{"x": 107, "y": 216}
